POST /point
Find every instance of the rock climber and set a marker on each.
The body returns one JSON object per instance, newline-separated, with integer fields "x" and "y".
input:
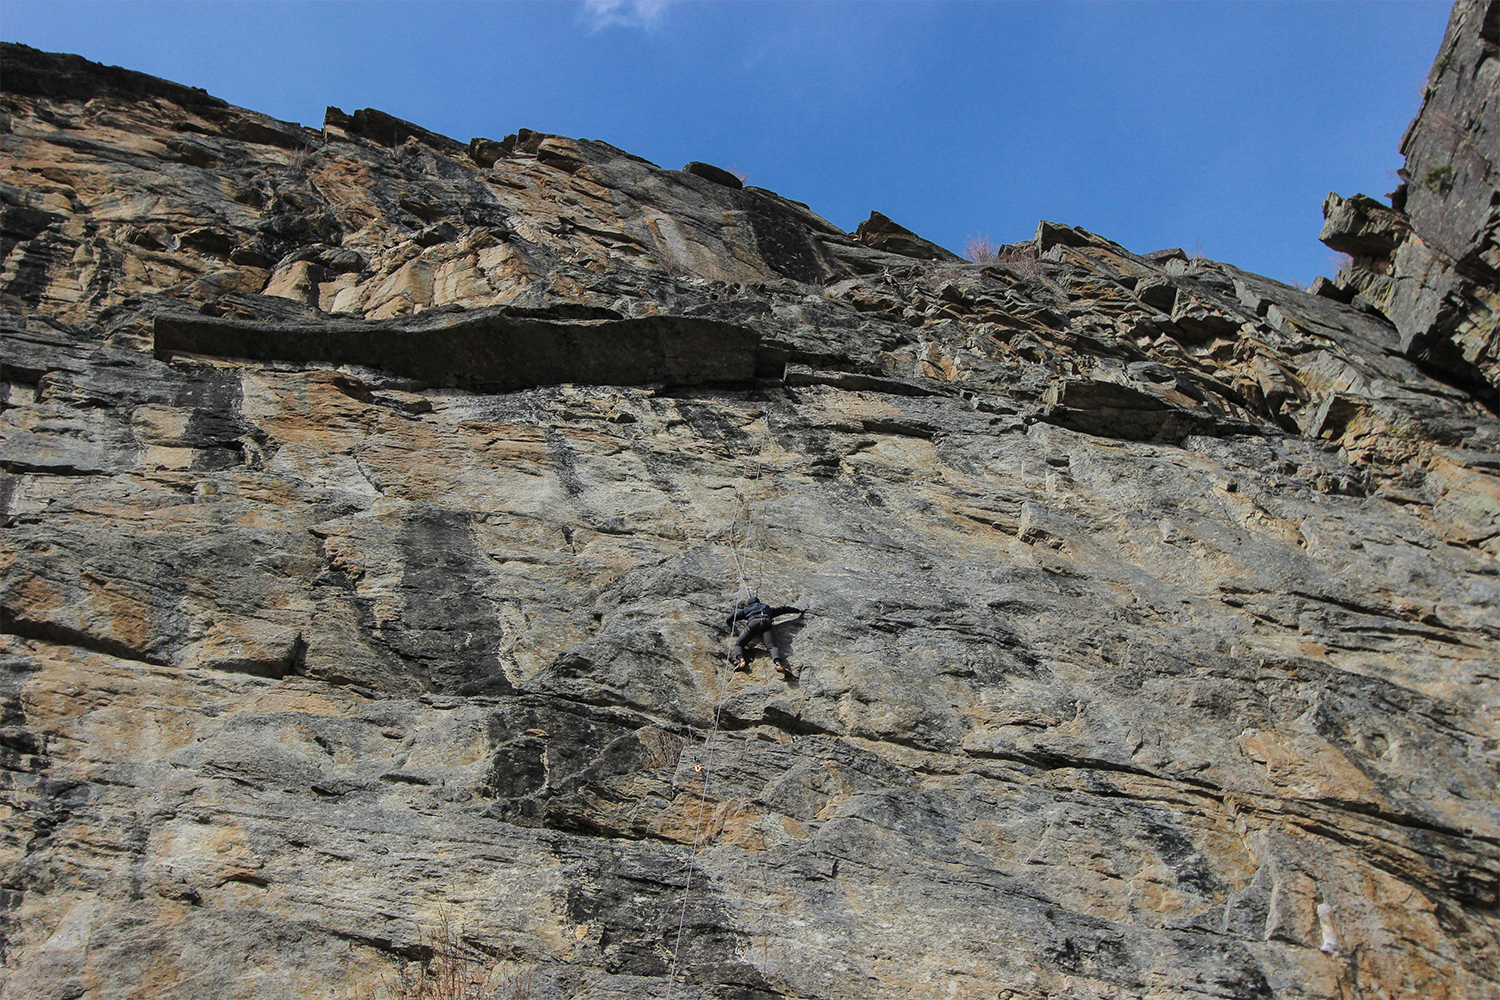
{"x": 758, "y": 617}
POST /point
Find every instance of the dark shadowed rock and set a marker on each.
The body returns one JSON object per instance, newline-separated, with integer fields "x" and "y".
{"x": 1362, "y": 227}
{"x": 69, "y": 77}
{"x": 385, "y": 130}
{"x": 712, "y": 173}
{"x": 489, "y": 350}
{"x": 881, "y": 233}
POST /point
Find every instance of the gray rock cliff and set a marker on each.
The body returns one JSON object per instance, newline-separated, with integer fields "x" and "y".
{"x": 373, "y": 502}
{"x": 1430, "y": 261}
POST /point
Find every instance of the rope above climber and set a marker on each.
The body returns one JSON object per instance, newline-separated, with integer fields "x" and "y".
{"x": 758, "y": 618}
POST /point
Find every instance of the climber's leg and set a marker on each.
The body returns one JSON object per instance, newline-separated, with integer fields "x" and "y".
{"x": 773, "y": 645}
{"x": 737, "y": 655}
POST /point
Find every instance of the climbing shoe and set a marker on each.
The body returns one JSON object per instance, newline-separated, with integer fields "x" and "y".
{"x": 741, "y": 665}
{"x": 781, "y": 667}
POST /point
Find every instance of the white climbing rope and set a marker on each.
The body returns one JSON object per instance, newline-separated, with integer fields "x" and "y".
{"x": 765, "y": 432}
{"x": 741, "y": 554}
{"x": 687, "y": 884}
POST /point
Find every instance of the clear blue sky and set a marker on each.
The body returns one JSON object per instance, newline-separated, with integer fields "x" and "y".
{"x": 1216, "y": 127}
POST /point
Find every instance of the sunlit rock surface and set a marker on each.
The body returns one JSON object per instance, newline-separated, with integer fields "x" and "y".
{"x": 1431, "y": 260}
{"x": 373, "y": 502}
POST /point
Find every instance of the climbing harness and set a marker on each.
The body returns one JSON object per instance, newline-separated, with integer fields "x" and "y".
{"x": 741, "y": 554}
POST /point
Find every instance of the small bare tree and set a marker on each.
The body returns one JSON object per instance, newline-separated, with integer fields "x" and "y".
{"x": 980, "y": 250}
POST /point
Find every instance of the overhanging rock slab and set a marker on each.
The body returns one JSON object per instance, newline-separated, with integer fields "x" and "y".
{"x": 487, "y": 350}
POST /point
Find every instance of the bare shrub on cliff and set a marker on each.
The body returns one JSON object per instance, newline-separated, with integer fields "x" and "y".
{"x": 980, "y": 250}
{"x": 935, "y": 272}
{"x": 668, "y": 264}
{"x": 661, "y": 749}
{"x": 1020, "y": 261}
{"x": 453, "y": 969}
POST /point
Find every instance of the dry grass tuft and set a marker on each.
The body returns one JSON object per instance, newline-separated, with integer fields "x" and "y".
{"x": 454, "y": 969}
{"x": 661, "y": 749}
{"x": 1018, "y": 259}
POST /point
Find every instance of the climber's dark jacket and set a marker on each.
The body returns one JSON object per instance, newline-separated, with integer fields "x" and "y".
{"x": 758, "y": 609}
{"x": 757, "y": 617}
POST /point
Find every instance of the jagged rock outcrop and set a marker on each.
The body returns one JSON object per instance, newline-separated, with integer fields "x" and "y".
{"x": 1431, "y": 261}
{"x": 373, "y": 502}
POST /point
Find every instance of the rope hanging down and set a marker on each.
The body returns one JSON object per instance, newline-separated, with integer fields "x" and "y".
{"x": 687, "y": 884}
{"x": 746, "y": 591}
{"x": 741, "y": 551}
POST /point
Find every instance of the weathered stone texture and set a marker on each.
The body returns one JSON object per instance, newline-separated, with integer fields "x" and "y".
{"x": 373, "y": 502}
{"x": 1431, "y": 262}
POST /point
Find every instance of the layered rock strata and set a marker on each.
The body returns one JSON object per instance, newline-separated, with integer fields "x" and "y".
{"x": 1430, "y": 261}
{"x": 373, "y": 502}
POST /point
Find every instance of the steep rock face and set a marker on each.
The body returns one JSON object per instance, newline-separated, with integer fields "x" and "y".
{"x": 1431, "y": 262}
{"x": 373, "y": 502}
